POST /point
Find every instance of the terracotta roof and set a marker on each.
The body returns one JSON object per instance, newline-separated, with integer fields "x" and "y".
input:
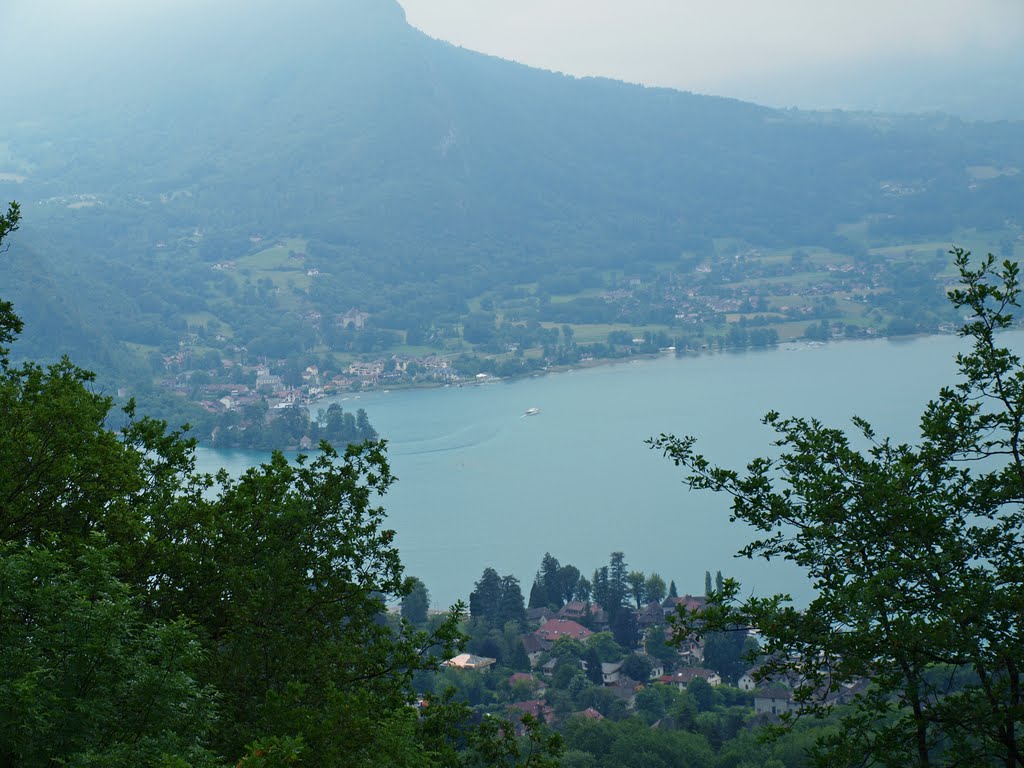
{"x": 536, "y": 707}
{"x": 553, "y": 629}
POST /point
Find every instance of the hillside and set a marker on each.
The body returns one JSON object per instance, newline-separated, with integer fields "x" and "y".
{"x": 435, "y": 189}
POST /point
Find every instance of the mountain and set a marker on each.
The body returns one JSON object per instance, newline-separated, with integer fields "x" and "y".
{"x": 421, "y": 176}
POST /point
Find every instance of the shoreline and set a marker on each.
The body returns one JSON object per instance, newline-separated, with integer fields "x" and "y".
{"x": 347, "y": 398}
{"x": 610, "y": 361}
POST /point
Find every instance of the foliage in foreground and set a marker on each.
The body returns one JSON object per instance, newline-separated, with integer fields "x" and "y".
{"x": 150, "y": 615}
{"x": 915, "y": 553}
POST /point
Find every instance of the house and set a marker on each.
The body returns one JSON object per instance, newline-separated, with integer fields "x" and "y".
{"x": 611, "y": 672}
{"x": 590, "y": 713}
{"x": 537, "y": 708}
{"x": 774, "y": 701}
{"x": 746, "y": 681}
{"x": 691, "y": 648}
{"x": 688, "y": 603}
{"x": 849, "y": 691}
{"x": 271, "y": 381}
{"x": 651, "y": 615}
{"x": 576, "y": 610}
{"x": 775, "y": 695}
{"x": 353, "y": 317}
{"x": 534, "y": 647}
{"x": 552, "y": 629}
{"x": 684, "y": 677}
{"x": 538, "y": 616}
{"x": 470, "y": 662}
{"x": 526, "y": 679}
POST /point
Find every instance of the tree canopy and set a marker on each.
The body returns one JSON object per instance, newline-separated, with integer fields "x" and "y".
{"x": 914, "y": 553}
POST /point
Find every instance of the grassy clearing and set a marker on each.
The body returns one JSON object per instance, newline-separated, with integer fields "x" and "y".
{"x": 415, "y": 350}
{"x": 792, "y": 330}
{"x": 796, "y": 280}
{"x": 585, "y": 333}
{"x": 590, "y": 293}
{"x": 276, "y": 256}
{"x": 927, "y": 249}
{"x": 274, "y": 264}
{"x": 211, "y": 321}
{"x": 141, "y": 349}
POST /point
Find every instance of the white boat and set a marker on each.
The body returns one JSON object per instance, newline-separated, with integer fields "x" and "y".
{"x": 532, "y": 411}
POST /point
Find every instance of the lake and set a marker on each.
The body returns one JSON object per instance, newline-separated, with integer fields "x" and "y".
{"x": 480, "y": 484}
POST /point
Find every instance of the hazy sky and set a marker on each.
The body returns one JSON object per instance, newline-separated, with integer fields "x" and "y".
{"x": 809, "y": 53}
{"x": 729, "y": 47}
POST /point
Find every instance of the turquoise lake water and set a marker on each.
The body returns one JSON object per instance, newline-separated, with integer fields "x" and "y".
{"x": 481, "y": 485}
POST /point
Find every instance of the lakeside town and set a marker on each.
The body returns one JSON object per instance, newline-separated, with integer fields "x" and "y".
{"x": 561, "y": 659}
{"x": 750, "y": 298}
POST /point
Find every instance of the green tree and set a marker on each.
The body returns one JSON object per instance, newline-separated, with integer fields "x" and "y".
{"x": 637, "y": 587}
{"x": 637, "y": 667}
{"x": 363, "y": 428}
{"x": 10, "y": 323}
{"x": 658, "y": 647}
{"x": 604, "y": 644}
{"x": 538, "y": 595}
{"x": 618, "y": 586}
{"x": 83, "y": 676}
{"x": 599, "y": 587}
{"x": 485, "y": 599}
{"x": 511, "y": 608}
{"x": 583, "y": 590}
{"x": 285, "y": 571}
{"x": 654, "y": 590}
{"x": 568, "y": 580}
{"x": 914, "y": 552}
{"x": 724, "y": 653}
{"x": 625, "y": 629}
{"x": 416, "y": 603}
{"x": 593, "y": 661}
{"x": 654, "y": 701}
{"x": 702, "y": 694}
{"x": 549, "y": 568}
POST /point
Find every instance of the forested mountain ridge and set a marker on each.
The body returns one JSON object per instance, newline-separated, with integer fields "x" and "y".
{"x": 432, "y": 187}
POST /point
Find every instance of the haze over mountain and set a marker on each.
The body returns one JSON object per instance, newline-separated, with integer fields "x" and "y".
{"x": 421, "y": 174}
{"x": 953, "y": 56}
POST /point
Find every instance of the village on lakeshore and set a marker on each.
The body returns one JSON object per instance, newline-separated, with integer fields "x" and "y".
{"x": 576, "y": 658}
